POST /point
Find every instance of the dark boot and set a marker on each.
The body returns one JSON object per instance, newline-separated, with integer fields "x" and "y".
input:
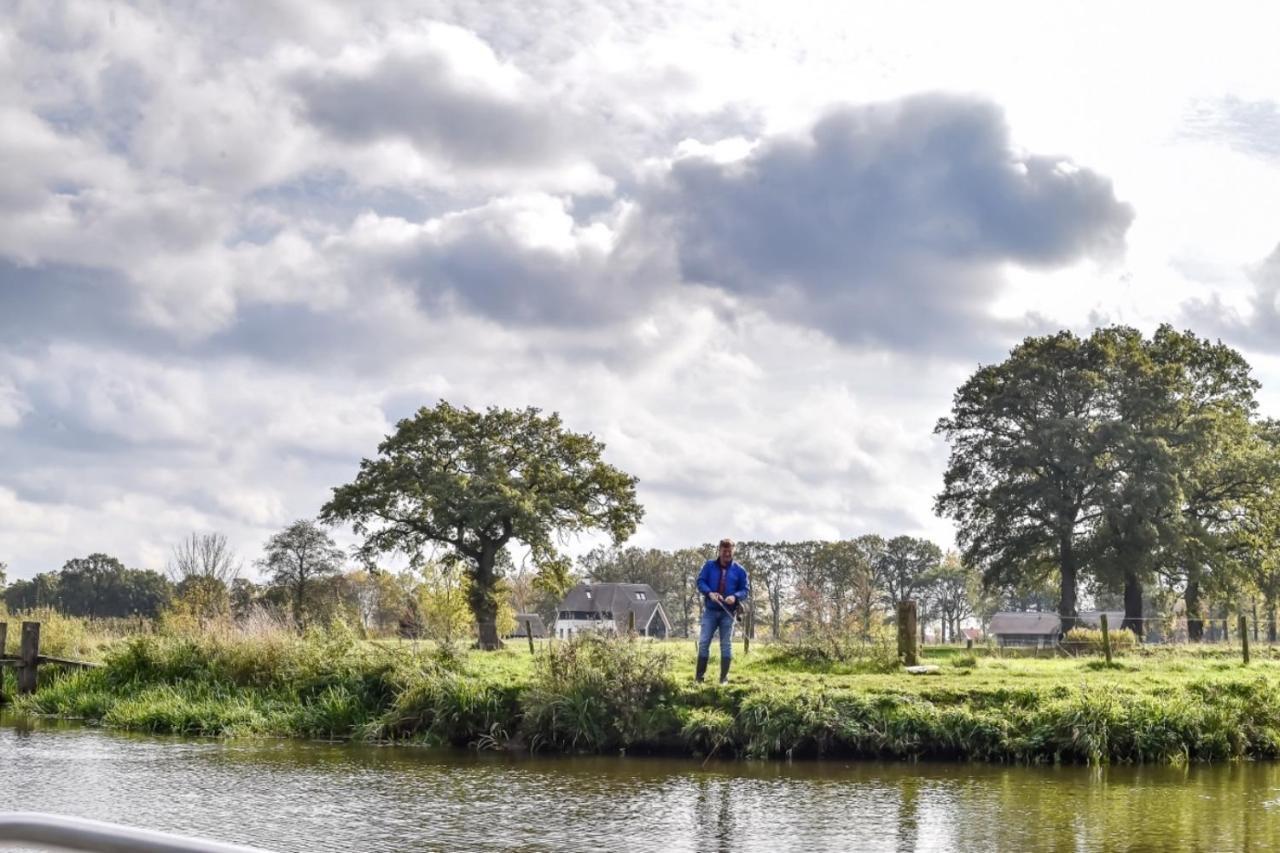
{"x": 702, "y": 669}
{"x": 724, "y": 670}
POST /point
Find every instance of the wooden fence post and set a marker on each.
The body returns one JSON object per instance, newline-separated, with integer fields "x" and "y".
{"x": 1106, "y": 637}
{"x": 907, "y": 649}
{"x": 631, "y": 623}
{"x": 4, "y": 650}
{"x": 968, "y": 643}
{"x": 29, "y": 656}
{"x": 749, "y": 630}
{"x": 528, "y": 627}
{"x": 1244, "y": 639}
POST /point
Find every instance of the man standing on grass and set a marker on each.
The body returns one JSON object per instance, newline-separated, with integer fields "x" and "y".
{"x": 723, "y": 584}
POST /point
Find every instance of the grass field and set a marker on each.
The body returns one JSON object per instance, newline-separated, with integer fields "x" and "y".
{"x": 600, "y": 696}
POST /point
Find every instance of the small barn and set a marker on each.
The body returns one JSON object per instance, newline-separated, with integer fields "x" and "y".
{"x": 526, "y": 622}
{"x": 611, "y": 607}
{"x": 1034, "y": 630}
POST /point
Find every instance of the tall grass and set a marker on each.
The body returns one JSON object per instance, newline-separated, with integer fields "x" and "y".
{"x": 60, "y": 636}
{"x": 596, "y": 694}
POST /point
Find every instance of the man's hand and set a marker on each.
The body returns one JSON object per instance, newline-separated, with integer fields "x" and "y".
{"x": 729, "y": 599}
{"x": 716, "y": 597}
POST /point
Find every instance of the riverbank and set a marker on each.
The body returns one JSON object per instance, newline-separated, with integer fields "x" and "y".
{"x": 599, "y": 696}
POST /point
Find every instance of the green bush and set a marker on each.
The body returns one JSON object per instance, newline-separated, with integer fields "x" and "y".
{"x": 595, "y": 693}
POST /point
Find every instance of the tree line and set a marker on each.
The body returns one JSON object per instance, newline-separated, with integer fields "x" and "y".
{"x": 801, "y": 588}
{"x": 1113, "y": 464}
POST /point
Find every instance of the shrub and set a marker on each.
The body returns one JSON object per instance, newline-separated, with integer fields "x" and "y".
{"x": 1090, "y": 640}
{"x": 595, "y": 693}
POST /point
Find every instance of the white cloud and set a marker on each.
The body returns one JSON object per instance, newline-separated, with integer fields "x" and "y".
{"x": 236, "y": 244}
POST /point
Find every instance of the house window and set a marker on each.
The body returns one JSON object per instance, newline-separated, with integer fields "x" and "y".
{"x": 640, "y": 596}
{"x": 588, "y": 593}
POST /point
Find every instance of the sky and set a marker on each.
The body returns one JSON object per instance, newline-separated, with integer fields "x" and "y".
{"x": 753, "y": 247}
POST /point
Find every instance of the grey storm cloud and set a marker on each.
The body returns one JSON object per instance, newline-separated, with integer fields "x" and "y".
{"x": 418, "y": 99}
{"x": 1260, "y": 330}
{"x": 42, "y": 302}
{"x": 886, "y": 222}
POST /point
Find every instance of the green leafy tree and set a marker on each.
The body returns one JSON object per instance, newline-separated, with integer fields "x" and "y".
{"x": 1177, "y": 434}
{"x": 91, "y": 586}
{"x": 474, "y": 481}
{"x": 551, "y": 582}
{"x": 99, "y": 585}
{"x": 243, "y": 596}
{"x": 690, "y": 600}
{"x": 297, "y": 559}
{"x": 906, "y": 567}
{"x": 202, "y": 597}
{"x": 1024, "y": 472}
{"x": 378, "y": 597}
{"x": 40, "y": 591}
{"x": 769, "y": 570}
{"x": 867, "y": 594}
{"x": 951, "y": 586}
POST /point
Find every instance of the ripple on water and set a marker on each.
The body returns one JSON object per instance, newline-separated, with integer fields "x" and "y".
{"x": 286, "y": 796}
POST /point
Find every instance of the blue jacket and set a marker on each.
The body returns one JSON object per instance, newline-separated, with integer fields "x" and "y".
{"x": 735, "y": 584}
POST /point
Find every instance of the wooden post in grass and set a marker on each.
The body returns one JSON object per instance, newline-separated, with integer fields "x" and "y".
{"x": 1106, "y": 637}
{"x": 28, "y": 657}
{"x": 968, "y": 643}
{"x": 907, "y": 650}
{"x": 1244, "y": 638}
{"x": 528, "y": 628}
{"x": 631, "y": 623}
{"x": 749, "y": 630}
{"x": 4, "y": 637}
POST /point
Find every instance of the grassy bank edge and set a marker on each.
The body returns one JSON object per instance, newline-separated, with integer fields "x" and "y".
{"x": 603, "y": 696}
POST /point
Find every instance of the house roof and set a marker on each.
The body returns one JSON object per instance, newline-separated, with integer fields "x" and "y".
{"x": 1046, "y": 624}
{"x": 618, "y": 599}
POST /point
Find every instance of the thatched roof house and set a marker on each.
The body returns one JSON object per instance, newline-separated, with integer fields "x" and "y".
{"x": 611, "y": 607}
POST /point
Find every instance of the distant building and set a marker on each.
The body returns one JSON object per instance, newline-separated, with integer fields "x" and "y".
{"x": 974, "y": 634}
{"x": 1037, "y": 630}
{"x": 534, "y": 622}
{"x": 608, "y": 607}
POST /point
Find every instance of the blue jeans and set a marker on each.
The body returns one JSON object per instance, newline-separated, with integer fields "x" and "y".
{"x": 712, "y": 621}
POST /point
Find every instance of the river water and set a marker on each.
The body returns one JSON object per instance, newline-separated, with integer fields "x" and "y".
{"x": 303, "y": 796}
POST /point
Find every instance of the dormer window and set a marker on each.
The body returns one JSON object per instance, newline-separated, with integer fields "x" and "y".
{"x": 588, "y": 593}
{"x": 639, "y": 596}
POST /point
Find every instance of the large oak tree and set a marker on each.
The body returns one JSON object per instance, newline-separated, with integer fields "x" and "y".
{"x": 1024, "y": 474}
{"x": 472, "y": 482}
